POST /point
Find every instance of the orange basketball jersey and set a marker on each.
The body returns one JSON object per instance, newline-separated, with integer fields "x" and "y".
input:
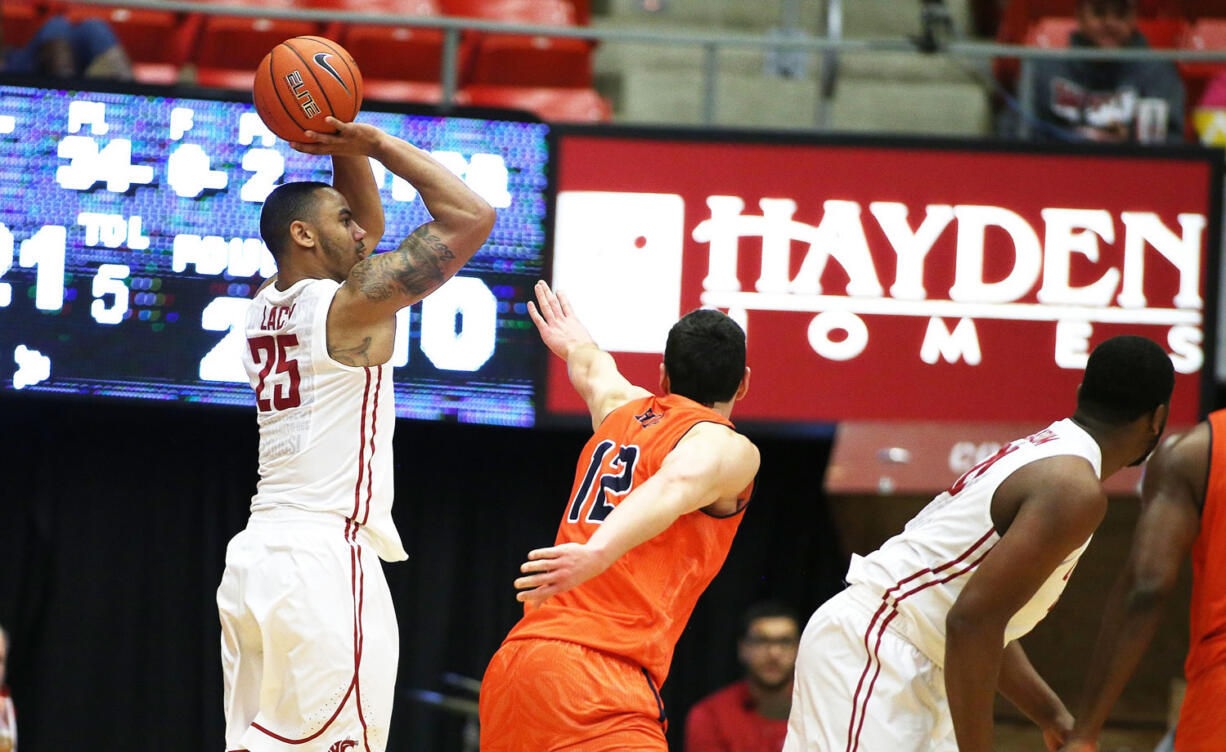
{"x": 1201, "y": 728}
{"x": 638, "y": 607}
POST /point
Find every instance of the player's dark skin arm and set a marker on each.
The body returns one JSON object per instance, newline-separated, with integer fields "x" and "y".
{"x": 1172, "y": 496}
{"x": 1046, "y": 510}
{"x": 1021, "y": 684}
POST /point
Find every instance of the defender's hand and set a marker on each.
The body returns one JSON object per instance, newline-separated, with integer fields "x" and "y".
{"x": 550, "y": 571}
{"x": 560, "y": 328}
{"x": 350, "y": 139}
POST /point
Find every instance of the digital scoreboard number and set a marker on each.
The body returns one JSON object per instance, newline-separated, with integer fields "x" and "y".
{"x": 129, "y": 249}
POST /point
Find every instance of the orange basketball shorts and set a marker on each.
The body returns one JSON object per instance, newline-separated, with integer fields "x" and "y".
{"x": 540, "y": 695}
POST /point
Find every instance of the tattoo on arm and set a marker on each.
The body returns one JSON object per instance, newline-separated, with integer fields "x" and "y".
{"x": 352, "y": 355}
{"x": 415, "y": 268}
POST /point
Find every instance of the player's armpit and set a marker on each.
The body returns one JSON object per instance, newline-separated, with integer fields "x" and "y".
{"x": 714, "y": 464}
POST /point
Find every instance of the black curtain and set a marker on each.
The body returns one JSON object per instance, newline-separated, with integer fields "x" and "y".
{"x": 114, "y": 518}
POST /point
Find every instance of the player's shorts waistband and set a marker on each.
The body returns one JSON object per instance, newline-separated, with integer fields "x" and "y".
{"x": 281, "y": 516}
{"x": 869, "y": 601}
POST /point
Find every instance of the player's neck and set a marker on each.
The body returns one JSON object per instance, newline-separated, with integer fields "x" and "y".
{"x": 1116, "y": 449}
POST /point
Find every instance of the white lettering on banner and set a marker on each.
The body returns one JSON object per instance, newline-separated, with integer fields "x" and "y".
{"x": 910, "y": 247}
{"x": 614, "y": 241}
{"x": 960, "y": 344}
{"x": 853, "y": 342}
{"x": 840, "y": 237}
{"x": 1073, "y": 344}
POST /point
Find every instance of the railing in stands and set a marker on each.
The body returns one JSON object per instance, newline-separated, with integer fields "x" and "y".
{"x": 831, "y": 44}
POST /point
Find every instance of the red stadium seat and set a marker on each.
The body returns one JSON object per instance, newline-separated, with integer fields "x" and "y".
{"x": 545, "y": 12}
{"x": 152, "y": 36}
{"x": 20, "y": 20}
{"x": 553, "y": 104}
{"x": 226, "y": 78}
{"x": 1051, "y": 32}
{"x": 525, "y": 60}
{"x": 162, "y": 74}
{"x": 583, "y": 11}
{"x": 241, "y": 43}
{"x": 395, "y": 52}
{"x": 389, "y": 90}
{"x": 1163, "y": 32}
{"x": 505, "y": 60}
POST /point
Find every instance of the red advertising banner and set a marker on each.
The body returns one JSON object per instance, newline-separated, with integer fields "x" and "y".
{"x": 883, "y": 281}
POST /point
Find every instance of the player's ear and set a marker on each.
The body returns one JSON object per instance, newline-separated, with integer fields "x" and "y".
{"x": 302, "y": 233}
{"x": 664, "y": 385}
{"x": 743, "y": 388}
{"x": 1157, "y": 419}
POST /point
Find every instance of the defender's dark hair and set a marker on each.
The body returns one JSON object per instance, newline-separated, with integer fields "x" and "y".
{"x": 1125, "y": 378}
{"x": 286, "y": 204}
{"x": 765, "y": 610}
{"x": 705, "y": 357}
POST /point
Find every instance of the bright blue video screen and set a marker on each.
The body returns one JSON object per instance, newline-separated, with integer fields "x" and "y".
{"x": 129, "y": 248}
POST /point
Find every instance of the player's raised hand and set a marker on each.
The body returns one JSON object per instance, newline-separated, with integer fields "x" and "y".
{"x": 560, "y": 328}
{"x": 554, "y": 570}
{"x": 350, "y": 139}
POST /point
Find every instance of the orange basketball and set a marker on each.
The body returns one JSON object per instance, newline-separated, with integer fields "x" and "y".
{"x": 301, "y": 82}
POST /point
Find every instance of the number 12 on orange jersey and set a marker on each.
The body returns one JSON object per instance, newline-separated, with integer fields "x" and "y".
{"x": 618, "y": 480}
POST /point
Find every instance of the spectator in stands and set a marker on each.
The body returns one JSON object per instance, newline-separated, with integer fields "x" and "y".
{"x": 64, "y": 49}
{"x": 8, "y": 716}
{"x": 752, "y": 714}
{"x": 1209, "y": 118}
{"x": 1110, "y": 101}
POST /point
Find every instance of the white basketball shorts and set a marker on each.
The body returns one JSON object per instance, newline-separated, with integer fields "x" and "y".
{"x": 309, "y": 642}
{"x": 861, "y": 688}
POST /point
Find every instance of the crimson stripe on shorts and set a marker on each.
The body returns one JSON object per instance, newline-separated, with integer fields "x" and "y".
{"x": 885, "y": 623}
{"x": 357, "y": 680}
{"x": 853, "y": 738}
{"x": 374, "y": 427}
{"x": 322, "y": 729}
{"x": 357, "y": 488}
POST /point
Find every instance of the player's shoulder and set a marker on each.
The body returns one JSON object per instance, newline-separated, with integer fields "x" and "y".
{"x": 722, "y": 439}
{"x": 1185, "y": 455}
{"x": 1061, "y": 476}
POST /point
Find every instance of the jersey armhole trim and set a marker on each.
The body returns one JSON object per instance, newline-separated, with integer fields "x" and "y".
{"x": 740, "y": 507}
{"x": 1204, "y": 497}
{"x": 333, "y": 362}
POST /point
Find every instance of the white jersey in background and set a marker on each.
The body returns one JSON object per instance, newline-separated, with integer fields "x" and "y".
{"x": 325, "y": 428}
{"x": 919, "y": 573}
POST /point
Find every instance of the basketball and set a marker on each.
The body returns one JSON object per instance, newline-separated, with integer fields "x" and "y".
{"x": 304, "y": 80}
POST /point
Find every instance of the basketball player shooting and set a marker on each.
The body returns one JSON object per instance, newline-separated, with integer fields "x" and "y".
{"x": 911, "y": 654}
{"x": 309, "y": 637}
{"x": 658, "y": 495}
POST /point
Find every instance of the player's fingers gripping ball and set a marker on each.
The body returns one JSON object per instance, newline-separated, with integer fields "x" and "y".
{"x": 301, "y": 82}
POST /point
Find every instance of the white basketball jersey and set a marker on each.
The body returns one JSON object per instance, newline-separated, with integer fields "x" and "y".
{"x": 920, "y": 572}
{"x": 325, "y": 428}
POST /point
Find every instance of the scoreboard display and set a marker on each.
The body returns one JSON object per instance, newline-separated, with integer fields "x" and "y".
{"x": 129, "y": 249}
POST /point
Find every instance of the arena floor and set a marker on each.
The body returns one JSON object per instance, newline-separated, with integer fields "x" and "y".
{"x": 1026, "y": 738}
